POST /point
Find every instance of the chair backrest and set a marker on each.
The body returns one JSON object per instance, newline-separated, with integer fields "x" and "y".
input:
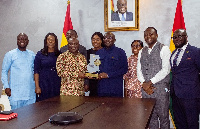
{"x": 4, "y": 102}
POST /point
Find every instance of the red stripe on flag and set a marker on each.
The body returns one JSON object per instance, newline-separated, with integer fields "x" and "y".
{"x": 179, "y": 19}
{"x": 67, "y": 25}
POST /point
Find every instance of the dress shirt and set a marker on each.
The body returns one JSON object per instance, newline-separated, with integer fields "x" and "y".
{"x": 165, "y": 56}
{"x": 120, "y": 16}
{"x": 180, "y": 55}
{"x": 21, "y": 80}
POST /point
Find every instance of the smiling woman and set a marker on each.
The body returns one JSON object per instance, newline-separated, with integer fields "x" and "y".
{"x": 47, "y": 81}
{"x": 50, "y": 43}
{"x": 131, "y": 82}
{"x": 97, "y": 43}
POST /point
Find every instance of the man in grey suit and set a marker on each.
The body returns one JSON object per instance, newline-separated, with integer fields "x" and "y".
{"x": 121, "y": 14}
{"x": 153, "y": 70}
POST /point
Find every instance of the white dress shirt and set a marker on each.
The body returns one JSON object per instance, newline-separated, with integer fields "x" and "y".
{"x": 120, "y": 16}
{"x": 180, "y": 55}
{"x": 165, "y": 54}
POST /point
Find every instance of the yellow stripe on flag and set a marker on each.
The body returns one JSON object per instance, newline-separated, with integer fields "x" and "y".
{"x": 172, "y": 46}
{"x": 63, "y": 41}
{"x": 112, "y": 6}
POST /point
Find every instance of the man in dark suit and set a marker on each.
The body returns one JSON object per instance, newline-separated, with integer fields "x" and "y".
{"x": 73, "y": 34}
{"x": 185, "y": 86}
{"x": 121, "y": 14}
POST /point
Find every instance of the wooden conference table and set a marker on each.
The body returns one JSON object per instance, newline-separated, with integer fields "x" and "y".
{"x": 97, "y": 112}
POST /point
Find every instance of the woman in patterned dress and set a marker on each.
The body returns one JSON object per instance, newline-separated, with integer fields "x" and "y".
{"x": 132, "y": 84}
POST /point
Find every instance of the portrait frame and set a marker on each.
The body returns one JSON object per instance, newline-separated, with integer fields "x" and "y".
{"x": 121, "y": 25}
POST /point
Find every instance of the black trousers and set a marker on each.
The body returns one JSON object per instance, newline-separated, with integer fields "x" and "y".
{"x": 186, "y": 112}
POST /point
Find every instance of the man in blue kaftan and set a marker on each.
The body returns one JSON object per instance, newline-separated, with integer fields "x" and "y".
{"x": 113, "y": 66}
{"x": 20, "y": 63}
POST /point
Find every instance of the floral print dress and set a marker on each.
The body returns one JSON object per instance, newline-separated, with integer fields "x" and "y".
{"x": 133, "y": 85}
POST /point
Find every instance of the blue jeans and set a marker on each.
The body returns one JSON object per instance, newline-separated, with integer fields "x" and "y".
{"x": 20, "y": 103}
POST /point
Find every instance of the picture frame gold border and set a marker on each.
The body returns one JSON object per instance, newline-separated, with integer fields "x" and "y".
{"x": 135, "y": 28}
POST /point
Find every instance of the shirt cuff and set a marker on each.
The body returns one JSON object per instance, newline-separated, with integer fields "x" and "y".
{"x": 142, "y": 81}
{"x": 153, "y": 80}
{"x": 6, "y": 86}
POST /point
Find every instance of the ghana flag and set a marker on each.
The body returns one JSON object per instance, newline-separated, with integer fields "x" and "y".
{"x": 112, "y": 6}
{"x": 67, "y": 25}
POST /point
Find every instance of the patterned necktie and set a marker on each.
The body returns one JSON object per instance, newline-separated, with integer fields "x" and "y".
{"x": 123, "y": 18}
{"x": 176, "y": 57}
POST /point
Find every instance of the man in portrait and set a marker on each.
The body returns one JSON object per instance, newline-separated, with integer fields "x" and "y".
{"x": 121, "y": 14}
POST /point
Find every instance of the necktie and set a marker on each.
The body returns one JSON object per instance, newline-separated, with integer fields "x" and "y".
{"x": 123, "y": 18}
{"x": 176, "y": 57}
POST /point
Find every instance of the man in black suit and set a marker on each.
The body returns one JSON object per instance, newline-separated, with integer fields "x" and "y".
{"x": 121, "y": 14}
{"x": 185, "y": 86}
{"x": 73, "y": 34}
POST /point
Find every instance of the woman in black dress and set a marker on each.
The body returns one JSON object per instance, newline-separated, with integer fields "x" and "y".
{"x": 47, "y": 82}
{"x": 97, "y": 43}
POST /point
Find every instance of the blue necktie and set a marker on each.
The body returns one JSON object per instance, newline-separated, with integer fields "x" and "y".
{"x": 176, "y": 57}
{"x": 123, "y": 18}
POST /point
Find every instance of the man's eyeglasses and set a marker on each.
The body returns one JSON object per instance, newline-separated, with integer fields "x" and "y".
{"x": 179, "y": 36}
{"x": 108, "y": 38}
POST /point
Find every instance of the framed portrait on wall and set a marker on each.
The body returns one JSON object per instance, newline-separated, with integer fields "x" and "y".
{"x": 121, "y": 15}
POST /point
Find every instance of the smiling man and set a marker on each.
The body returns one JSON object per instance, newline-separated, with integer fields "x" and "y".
{"x": 121, "y": 14}
{"x": 113, "y": 66}
{"x": 153, "y": 70}
{"x": 185, "y": 86}
{"x": 71, "y": 67}
{"x": 20, "y": 62}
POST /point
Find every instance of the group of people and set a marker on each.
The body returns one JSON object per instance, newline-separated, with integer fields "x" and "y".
{"x": 146, "y": 73}
{"x": 30, "y": 73}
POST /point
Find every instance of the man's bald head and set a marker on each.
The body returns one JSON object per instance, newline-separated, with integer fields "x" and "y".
{"x": 22, "y": 34}
{"x": 122, "y": 6}
{"x": 71, "y": 34}
{"x": 73, "y": 45}
{"x": 180, "y": 38}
